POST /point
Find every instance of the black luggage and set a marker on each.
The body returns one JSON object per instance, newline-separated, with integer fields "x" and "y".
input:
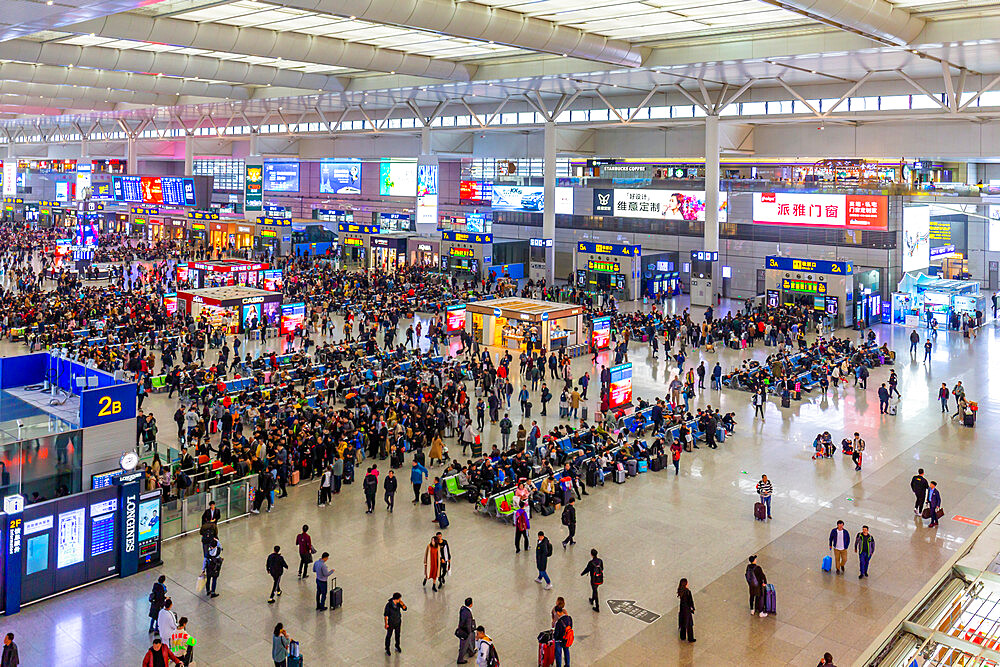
{"x": 442, "y": 520}
{"x": 656, "y": 463}
{"x": 425, "y": 498}
{"x": 786, "y": 402}
{"x": 760, "y": 511}
{"x": 336, "y": 595}
{"x": 545, "y": 510}
{"x": 970, "y": 419}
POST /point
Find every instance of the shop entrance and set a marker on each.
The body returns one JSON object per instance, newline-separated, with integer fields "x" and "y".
{"x": 384, "y": 259}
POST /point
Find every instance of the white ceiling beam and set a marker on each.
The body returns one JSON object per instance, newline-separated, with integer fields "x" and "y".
{"x": 471, "y": 20}
{"x": 80, "y": 93}
{"x": 265, "y": 43}
{"x": 876, "y": 19}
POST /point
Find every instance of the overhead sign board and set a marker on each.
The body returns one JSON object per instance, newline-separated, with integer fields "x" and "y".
{"x": 817, "y": 210}
{"x": 809, "y": 265}
{"x": 609, "y": 249}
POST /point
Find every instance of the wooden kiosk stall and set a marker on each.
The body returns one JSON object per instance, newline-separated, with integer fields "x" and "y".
{"x": 519, "y": 324}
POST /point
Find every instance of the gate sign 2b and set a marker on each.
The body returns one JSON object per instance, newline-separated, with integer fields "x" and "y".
{"x": 105, "y": 405}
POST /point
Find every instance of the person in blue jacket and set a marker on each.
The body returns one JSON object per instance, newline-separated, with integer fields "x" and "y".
{"x": 934, "y": 500}
{"x": 417, "y": 475}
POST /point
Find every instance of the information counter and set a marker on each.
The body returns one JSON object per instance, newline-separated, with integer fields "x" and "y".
{"x": 525, "y": 324}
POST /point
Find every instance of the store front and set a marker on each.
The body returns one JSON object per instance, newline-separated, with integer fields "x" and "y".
{"x": 466, "y": 255}
{"x": 234, "y": 308}
{"x": 56, "y": 215}
{"x": 13, "y": 209}
{"x": 387, "y": 252}
{"x": 827, "y": 287}
{"x": 608, "y": 268}
{"x": 921, "y": 299}
{"x": 525, "y": 324}
{"x": 424, "y": 252}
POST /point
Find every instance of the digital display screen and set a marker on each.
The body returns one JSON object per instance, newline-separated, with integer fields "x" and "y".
{"x": 397, "y": 179}
{"x": 38, "y": 554}
{"x": 167, "y": 190}
{"x": 102, "y": 534}
{"x": 821, "y": 210}
{"x": 456, "y": 318}
{"x": 621, "y": 385}
{"x": 427, "y": 180}
{"x": 773, "y": 298}
{"x": 177, "y": 191}
{"x": 340, "y": 177}
{"x": 604, "y": 267}
{"x": 353, "y": 240}
{"x": 170, "y": 304}
{"x": 101, "y": 480}
{"x": 70, "y": 545}
{"x": 127, "y": 188}
{"x": 832, "y": 306}
{"x": 149, "y": 520}
{"x": 461, "y": 252}
{"x": 281, "y": 176}
{"x": 293, "y": 316}
{"x": 524, "y": 198}
{"x": 601, "y": 336}
{"x": 475, "y": 192}
{"x": 273, "y": 280}
{"x": 806, "y": 286}
{"x": 475, "y": 223}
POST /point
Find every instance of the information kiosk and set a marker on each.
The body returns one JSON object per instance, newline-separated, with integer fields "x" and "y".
{"x": 233, "y": 308}
{"x": 526, "y": 324}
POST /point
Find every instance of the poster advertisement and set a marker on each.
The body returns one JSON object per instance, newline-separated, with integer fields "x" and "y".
{"x": 477, "y": 223}
{"x": 340, "y": 177}
{"x": 600, "y": 338}
{"x": 397, "y": 179}
{"x": 149, "y": 520}
{"x": 475, "y": 192}
{"x": 170, "y": 302}
{"x": 9, "y": 178}
{"x": 656, "y": 204}
{"x": 293, "y": 317}
{"x": 621, "y": 386}
{"x": 274, "y": 280}
{"x": 793, "y": 208}
{"x": 916, "y": 238}
{"x": 525, "y": 198}
{"x": 455, "y": 319}
{"x": 253, "y": 187}
{"x": 427, "y": 180}
{"x": 993, "y": 234}
{"x": 38, "y": 554}
{"x": 69, "y": 549}
{"x": 281, "y": 176}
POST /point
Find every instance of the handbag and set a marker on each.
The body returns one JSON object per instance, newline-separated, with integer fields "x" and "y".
{"x": 926, "y": 514}
{"x": 939, "y": 513}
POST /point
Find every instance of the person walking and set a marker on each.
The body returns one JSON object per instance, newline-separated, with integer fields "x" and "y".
{"x": 213, "y": 567}
{"x": 543, "y": 549}
{"x": 914, "y": 339}
{"x": 840, "y": 540}
{"x": 927, "y": 350}
{"x": 10, "y": 656}
{"x": 569, "y": 520}
{"x": 522, "y": 522}
{"x": 756, "y": 581}
{"x": 943, "y": 395}
{"x": 764, "y": 490}
{"x": 275, "y": 566}
{"x": 486, "y": 652}
{"x": 883, "y": 399}
{"x": 827, "y": 660}
{"x": 685, "y": 615}
{"x": 432, "y": 563}
{"x": 466, "y": 633}
{"x": 156, "y": 599}
{"x": 595, "y": 568}
{"x": 919, "y": 486}
{"x": 323, "y": 573}
{"x": 389, "y": 485}
{"x": 417, "y": 475}
{"x": 393, "y": 617}
{"x": 859, "y": 448}
{"x": 864, "y": 546}
{"x": 304, "y": 542}
{"x": 934, "y": 501}
{"x": 370, "y": 486}
{"x": 562, "y": 634}
{"x": 444, "y": 550}
{"x": 280, "y": 643}
{"x": 158, "y": 654}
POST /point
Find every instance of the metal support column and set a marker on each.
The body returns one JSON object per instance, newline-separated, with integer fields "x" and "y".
{"x": 549, "y": 198}
{"x": 188, "y": 155}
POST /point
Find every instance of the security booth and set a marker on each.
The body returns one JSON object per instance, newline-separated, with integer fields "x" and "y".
{"x": 424, "y": 251}
{"x": 608, "y": 267}
{"x": 466, "y": 255}
{"x": 226, "y": 272}
{"x": 234, "y": 308}
{"x": 525, "y": 324}
{"x": 828, "y": 287}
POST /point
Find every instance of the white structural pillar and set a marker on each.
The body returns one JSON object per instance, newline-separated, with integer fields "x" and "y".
{"x": 549, "y": 198}
{"x": 131, "y": 163}
{"x": 425, "y": 140}
{"x": 188, "y": 154}
{"x": 703, "y": 273}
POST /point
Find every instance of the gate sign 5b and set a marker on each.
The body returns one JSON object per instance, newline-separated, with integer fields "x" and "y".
{"x": 107, "y": 404}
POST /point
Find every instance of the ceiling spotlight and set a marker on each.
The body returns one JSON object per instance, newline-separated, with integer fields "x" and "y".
{"x": 49, "y": 3}
{"x": 392, "y": 72}
{"x": 352, "y": 17}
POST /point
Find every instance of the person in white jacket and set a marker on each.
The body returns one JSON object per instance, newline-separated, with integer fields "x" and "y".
{"x": 485, "y": 644}
{"x": 166, "y": 621}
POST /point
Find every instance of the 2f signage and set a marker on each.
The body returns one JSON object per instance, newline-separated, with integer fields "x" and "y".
{"x": 14, "y": 541}
{"x": 108, "y": 407}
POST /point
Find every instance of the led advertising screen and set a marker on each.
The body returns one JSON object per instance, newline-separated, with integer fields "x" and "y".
{"x": 69, "y": 549}
{"x": 397, "y": 179}
{"x": 281, "y": 176}
{"x": 170, "y": 304}
{"x": 127, "y": 189}
{"x": 293, "y": 316}
{"x": 916, "y": 238}
{"x": 177, "y": 191}
{"x": 621, "y": 386}
{"x": 793, "y": 208}
{"x": 475, "y": 192}
{"x": 427, "y": 179}
{"x": 656, "y": 204}
{"x": 455, "y": 320}
{"x": 62, "y": 192}
{"x": 476, "y": 223}
{"x": 149, "y": 520}
{"x": 86, "y": 233}
{"x": 273, "y": 280}
{"x": 524, "y": 198}
{"x": 600, "y": 337}
{"x": 340, "y": 177}
{"x": 9, "y": 178}
{"x": 38, "y": 554}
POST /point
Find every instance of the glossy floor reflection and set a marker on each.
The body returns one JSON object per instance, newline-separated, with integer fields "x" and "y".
{"x": 650, "y": 531}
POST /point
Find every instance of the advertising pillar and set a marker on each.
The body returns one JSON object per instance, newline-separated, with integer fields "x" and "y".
{"x": 427, "y": 195}
{"x": 188, "y": 154}
{"x": 703, "y": 286}
{"x": 13, "y": 507}
{"x": 549, "y": 198}
{"x": 128, "y": 517}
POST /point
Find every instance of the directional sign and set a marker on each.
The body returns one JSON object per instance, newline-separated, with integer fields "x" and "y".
{"x": 629, "y": 607}
{"x": 965, "y": 519}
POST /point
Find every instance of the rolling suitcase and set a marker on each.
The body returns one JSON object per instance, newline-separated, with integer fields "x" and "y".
{"x": 656, "y": 463}
{"x": 546, "y": 649}
{"x": 336, "y": 595}
{"x": 786, "y": 402}
{"x": 760, "y": 511}
{"x": 425, "y": 498}
{"x": 583, "y": 413}
{"x": 632, "y": 467}
{"x": 619, "y": 476}
{"x": 294, "y": 478}
{"x": 770, "y": 602}
{"x": 970, "y": 420}
{"x": 827, "y": 563}
{"x": 442, "y": 520}
{"x": 294, "y": 655}
{"x": 643, "y": 466}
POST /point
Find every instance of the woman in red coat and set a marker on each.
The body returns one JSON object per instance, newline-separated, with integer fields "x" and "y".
{"x": 432, "y": 563}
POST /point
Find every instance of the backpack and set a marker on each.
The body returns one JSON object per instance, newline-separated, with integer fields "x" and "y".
{"x": 522, "y": 522}
{"x": 565, "y": 516}
{"x": 598, "y": 574}
{"x": 569, "y": 636}
{"x": 492, "y": 659}
{"x": 751, "y": 576}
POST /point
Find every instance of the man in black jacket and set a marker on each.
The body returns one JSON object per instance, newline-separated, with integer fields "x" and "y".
{"x": 756, "y": 581}
{"x": 596, "y": 570}
{"x": 569, "y": 520}
{"x": 919, "y": 486}
{"x": 389, "y": 484}
{"x": 393, "y": 616}
{"x": 275, "y": 567}
{"x": 466, "y": 633}
{"x": 543, "y": 549}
